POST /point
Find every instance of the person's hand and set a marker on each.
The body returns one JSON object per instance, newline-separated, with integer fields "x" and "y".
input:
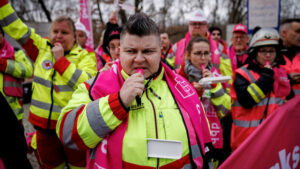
{"x": 295, "y": 77}
{"x": 57, "y": 51}
{"x": 206, "y": 73}
{"x": 198, "y": 86}
{"x": 133, "y": 86}
{"x": 113, "y": 18}
{"x": 106, "y": 67}
{"x": 268, "y": 66}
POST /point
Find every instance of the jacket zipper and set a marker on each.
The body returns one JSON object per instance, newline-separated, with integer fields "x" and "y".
{"x": 155, "y": 121}
{"x": 52, "y": 101}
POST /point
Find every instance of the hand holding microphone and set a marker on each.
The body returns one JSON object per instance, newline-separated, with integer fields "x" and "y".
{"x": 132, "y": 88}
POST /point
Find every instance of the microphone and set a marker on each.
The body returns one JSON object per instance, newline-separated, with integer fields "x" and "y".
{"x": 138, "y": 98}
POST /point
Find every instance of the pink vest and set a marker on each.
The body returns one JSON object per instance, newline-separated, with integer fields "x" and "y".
{"x": 109, "y": 151}
{"x": 233, "y": 58}
{"x": 11, "y": 86}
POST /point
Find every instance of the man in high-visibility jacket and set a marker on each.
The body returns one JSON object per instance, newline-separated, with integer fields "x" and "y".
{"x": 60, "y": 66}
{"x": 290, "y": 34}
{"x": 139, "y": 103}
{"x": 14, "y": 67}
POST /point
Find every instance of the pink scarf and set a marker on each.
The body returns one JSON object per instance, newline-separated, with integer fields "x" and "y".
{"x": 184, "y": 94}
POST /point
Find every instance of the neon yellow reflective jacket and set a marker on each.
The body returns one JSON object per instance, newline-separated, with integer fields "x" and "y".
{"x": 19, "y": 68}
{"x": 54, "y": 81}
{"x": 84, "y": 123}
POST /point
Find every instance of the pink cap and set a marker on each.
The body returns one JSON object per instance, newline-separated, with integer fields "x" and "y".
{"x": 240, "y": 28}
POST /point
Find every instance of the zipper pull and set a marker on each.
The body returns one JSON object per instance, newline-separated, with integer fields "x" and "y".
{"x": 154, "y": 94}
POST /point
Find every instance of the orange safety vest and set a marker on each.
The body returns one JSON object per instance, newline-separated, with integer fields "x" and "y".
{"x": 293, "y": 67}
{"x": 245, "y": 121}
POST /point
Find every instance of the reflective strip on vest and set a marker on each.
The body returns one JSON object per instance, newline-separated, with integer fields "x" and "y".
{"x": 90, "y": 81}
{"x": 249, "y": 74}
{"x": 9, "y": 19}
{"x": 12, "y": 18}
{"x": 221, "y": 108}
{"x": 23, "y": 71}
{"x": 10, "y": 99}
{"x": 47, "y": 83}
{"x": 74, "y": 77}
{"x": 95, "y": 119}
{"x": 12, "y": 84}
{"x": 253, "y": 90}
{"x": 10, "y": 69}
{"x": 246, "y": 124}
{"x": 90, "y": 76}
{"x": 45, "y": 106}
{"x": 264, "y": 102}
{"x": 195, "y": 151}
{"x": 68, "y": 128}
{"x": 25, "y": 37}
{"x": 18, "y": 111}
{"x": 219, "y": 93}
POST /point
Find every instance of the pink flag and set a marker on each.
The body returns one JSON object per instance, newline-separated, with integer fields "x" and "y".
{"x": 274, "y": 145}
{"x": 85, "y": 19}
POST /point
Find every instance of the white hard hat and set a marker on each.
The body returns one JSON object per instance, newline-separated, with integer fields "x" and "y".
{"x": 197, "y": 16}
{"x": 81, "y": 27}
{"x": 263, "y": 37}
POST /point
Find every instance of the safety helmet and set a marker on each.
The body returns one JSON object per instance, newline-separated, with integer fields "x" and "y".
{"x": 263, "y": 37}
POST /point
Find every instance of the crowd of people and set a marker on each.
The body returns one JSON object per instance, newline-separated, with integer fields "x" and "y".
{"x": 138, "y": 100}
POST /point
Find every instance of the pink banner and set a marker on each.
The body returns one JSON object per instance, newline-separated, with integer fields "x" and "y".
{"x": 85, "y": 19}
{"x": 274, "y": 145}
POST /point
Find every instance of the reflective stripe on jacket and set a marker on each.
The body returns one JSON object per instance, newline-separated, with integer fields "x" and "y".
{"x": 245, "y": 121}
{"x": 54, "y": 81}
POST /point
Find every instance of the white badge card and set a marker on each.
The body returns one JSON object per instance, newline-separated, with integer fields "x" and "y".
{"x": 169, "y": 149}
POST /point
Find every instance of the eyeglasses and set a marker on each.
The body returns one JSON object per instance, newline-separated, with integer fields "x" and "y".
{"x": 264, "y": 52}
{"x": 205, "y": 54}
{"x": 238, "y": 37}
{"x": 197, "y": 23}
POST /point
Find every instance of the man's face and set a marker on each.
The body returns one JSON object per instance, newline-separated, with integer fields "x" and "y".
{"x": 62, "y": 32}
{"x": 291, "y": 35}
{"x": 198, "y": 28}
{"x": 81, "y": 38}
{"x": 216, "y": 35}
{"x": 140, "y": 52}
{"x": 239, "y": 41}
{"x": 165, "y": 41}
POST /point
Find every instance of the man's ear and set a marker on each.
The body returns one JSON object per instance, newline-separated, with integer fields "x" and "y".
{"x": 283, "y": 34}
